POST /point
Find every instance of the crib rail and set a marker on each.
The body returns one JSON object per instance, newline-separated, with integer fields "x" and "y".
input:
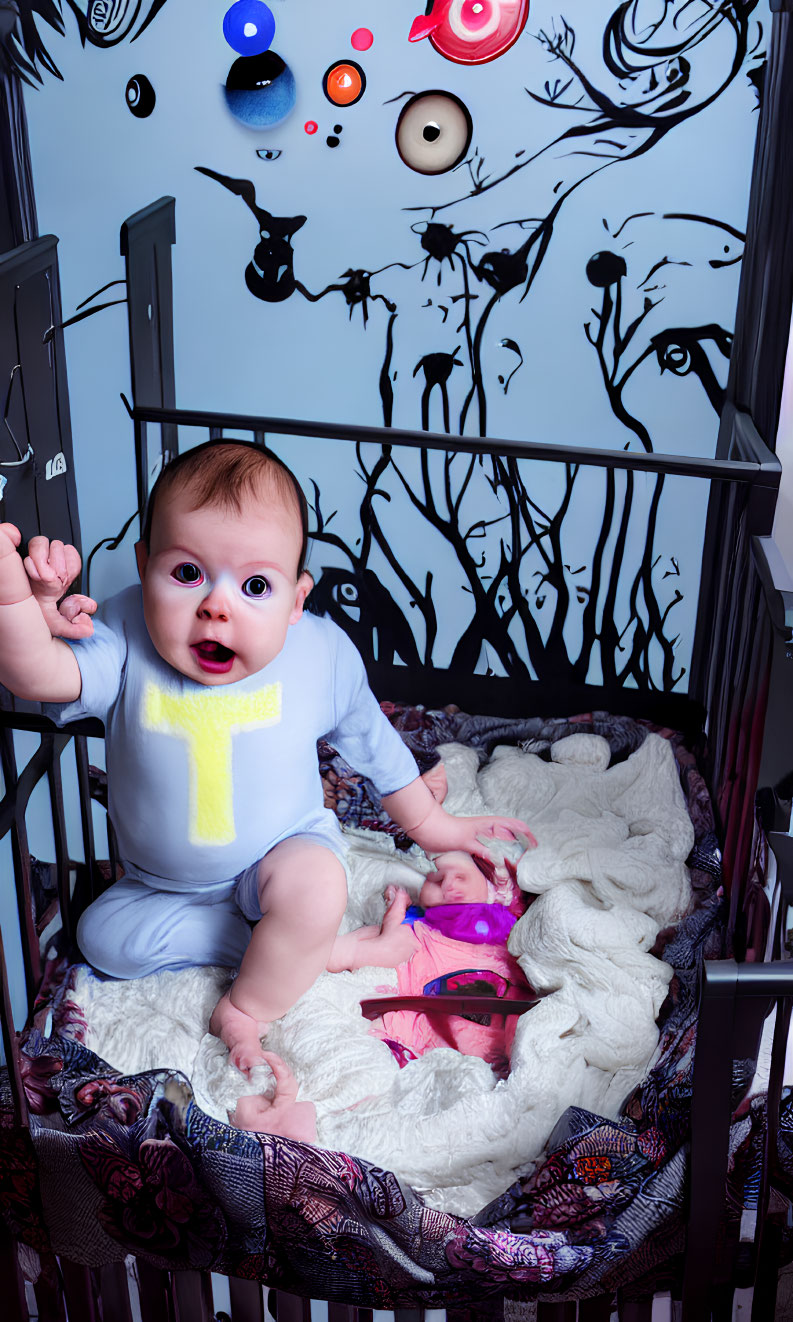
{"x": 138, "y": 1292}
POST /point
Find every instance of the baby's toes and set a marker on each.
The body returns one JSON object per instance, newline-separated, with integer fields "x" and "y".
{"x": 244, "y": 1055}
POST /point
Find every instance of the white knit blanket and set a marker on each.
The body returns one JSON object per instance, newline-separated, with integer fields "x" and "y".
{"x": 609, "y": 871}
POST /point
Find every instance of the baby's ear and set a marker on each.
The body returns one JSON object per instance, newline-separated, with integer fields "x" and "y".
{"x": 304, "y": 585}
{"x": 142, "y": 558}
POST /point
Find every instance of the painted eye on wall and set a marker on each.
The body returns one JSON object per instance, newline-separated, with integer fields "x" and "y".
{"x": 140, "y": 96}
{"x": 260, "y": 90}
{"x": 433, "y": 132}
{"x": 471, "y": 31}
{"x": 344, "y": 83}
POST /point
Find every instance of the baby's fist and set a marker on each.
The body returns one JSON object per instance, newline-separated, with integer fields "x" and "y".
{"x": 51, "y": 567}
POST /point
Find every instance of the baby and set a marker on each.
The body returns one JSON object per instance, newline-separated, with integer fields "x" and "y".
{"x": 214, "y": 687}
{"x": 452, "y": 930}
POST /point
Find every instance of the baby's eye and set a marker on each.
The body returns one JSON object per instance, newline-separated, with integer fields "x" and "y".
{"x": 256, "y": 586}
{"x": 187, "y": 573}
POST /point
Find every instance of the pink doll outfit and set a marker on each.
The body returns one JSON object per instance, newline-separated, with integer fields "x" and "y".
{"x": 447, "y": 940}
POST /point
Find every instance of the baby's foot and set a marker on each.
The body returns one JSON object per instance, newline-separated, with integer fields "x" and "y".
{"x": 436, "y": 782}
{"x": 241, "y": 1034}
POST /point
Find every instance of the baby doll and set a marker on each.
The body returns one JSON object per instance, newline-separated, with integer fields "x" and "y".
{"x": 466, "y": 911}
{"x": 214, "y": 687}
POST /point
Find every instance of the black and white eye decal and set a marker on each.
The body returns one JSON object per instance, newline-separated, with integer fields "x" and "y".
{"x": 433, "y": 132}
{"x": 140, "y": 96}
{"x": 268, "y": 153}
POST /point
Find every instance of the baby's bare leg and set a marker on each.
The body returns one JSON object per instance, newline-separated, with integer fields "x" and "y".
{"x": 302, "y": 894}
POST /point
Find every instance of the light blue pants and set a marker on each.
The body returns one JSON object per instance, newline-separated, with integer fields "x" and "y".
{"x": 132, "y": 929}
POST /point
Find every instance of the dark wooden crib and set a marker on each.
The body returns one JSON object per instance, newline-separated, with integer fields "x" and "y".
{"x": 726, "y": 697}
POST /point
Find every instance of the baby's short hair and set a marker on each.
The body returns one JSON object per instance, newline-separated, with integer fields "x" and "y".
{"x": 223, "y": 473}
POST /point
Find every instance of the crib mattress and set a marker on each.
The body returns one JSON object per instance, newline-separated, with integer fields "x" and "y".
{"x": 131, "y": 1163}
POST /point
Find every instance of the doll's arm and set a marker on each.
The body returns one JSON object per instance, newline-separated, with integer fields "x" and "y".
{"x": 437, "y": 831}
{"x": 51, "y": 568}
{"x": 33, "y": 664}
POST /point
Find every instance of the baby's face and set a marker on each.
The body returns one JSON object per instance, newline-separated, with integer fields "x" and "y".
{"x": 219, "y": 586}
{"x": 456, "y": 880}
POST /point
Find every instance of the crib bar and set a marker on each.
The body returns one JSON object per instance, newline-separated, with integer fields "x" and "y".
{"x": 291, "y": 1307}
{"x": 87, "y": 825}
{"x": 10, "y": 1049}
{"x": 154, "y": 1293}
{"x": 752, "y": 470}
{"x": 15, "y": 1308}
{"x": 62, "y": 870}
{"x": 78, "y": 1291}
{"x": 192, "y": 1294}
{"x": 18, "y": 790}
{"x": 114, "y": 1292}
{"x": 346, "y": 1313}
{"x": 48, "y": 1291}
{"x": 634, "y": 1310}
{"x": 595, "y": 1310}
{"x": 247, "y": 1301}
{"x": 710, "y": 1123}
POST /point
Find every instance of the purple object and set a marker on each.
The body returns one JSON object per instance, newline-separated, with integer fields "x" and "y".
{"x": 479, "y": 924}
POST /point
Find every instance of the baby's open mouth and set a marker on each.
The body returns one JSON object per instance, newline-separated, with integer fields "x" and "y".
{"x": 212, "y": 656}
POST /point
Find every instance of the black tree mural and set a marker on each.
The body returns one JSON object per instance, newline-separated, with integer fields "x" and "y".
{"x": 538, "y": 605}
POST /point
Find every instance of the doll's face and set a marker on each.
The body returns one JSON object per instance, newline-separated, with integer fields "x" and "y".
{"x": 456, "y": 880}
{"x": 220, "y": 586}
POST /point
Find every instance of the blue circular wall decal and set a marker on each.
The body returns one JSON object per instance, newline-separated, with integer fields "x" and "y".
{"x": 249, "y": 27}
{"x": 140, "y": 96}
{"x": 260, "y": 90}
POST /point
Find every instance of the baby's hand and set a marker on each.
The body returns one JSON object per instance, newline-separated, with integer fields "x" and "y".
{"x": 468, "y": 833}
{"x": 51, "y": 567}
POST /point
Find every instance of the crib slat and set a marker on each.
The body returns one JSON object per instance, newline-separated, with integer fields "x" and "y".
{"x": 14, "y": 1299}
{"x": 154, "y": 1291}
{"x": 192, "y": 1294}
{"x": 564, "y": 1312}
{"x": 114, "y": 1292}
{"x": 48, "y": 1292}
{"x": 342, "y": 1313}
{"x": 289, "y": 1307}
{"x": 247, "y": 1300}
{"x": 634, "y": 1310}
{"x": 61, "y": 848}
{"x": 595, "y": 1310}
{"x": 78, "y": 1291}
{"x": 86, "y": 820}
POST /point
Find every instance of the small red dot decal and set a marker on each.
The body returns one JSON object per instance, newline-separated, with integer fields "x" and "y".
{"x": 361, "y": 39}
{"x": 311, "y": 126}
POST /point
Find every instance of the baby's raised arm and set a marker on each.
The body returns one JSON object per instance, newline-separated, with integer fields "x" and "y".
{"x": 33, "y": 664}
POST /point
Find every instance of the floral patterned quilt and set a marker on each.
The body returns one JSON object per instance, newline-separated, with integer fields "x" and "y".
{"x": 115, "y": 1165}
